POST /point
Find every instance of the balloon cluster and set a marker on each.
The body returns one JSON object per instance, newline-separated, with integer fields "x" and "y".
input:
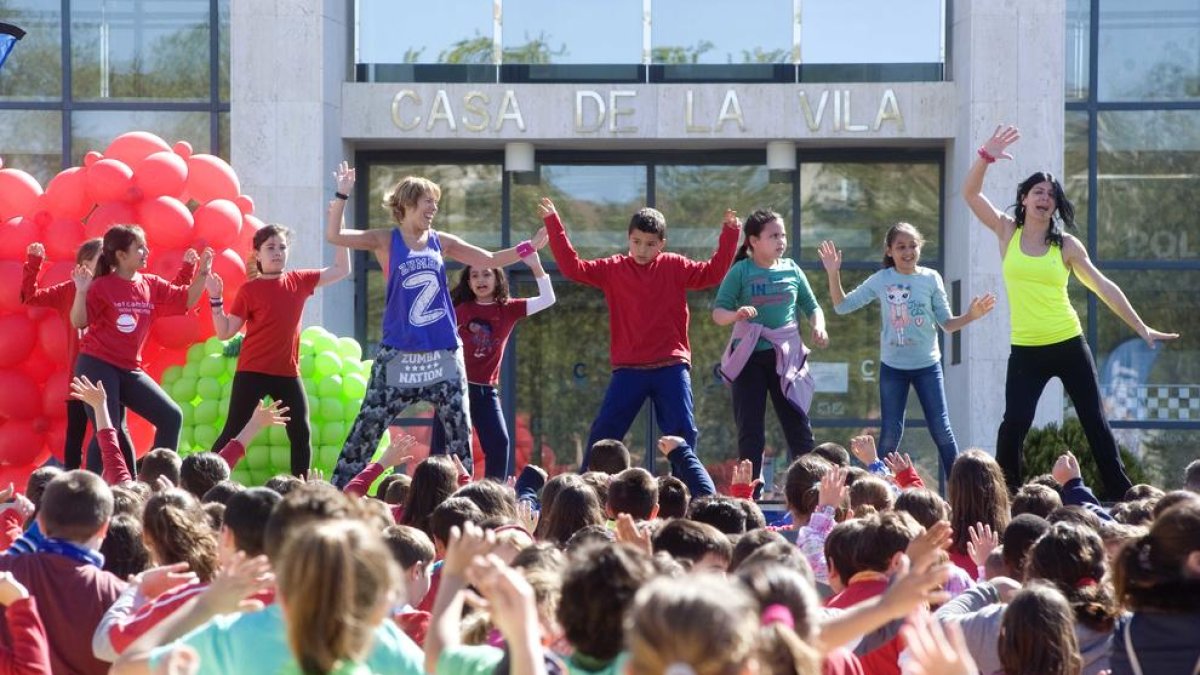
{"x": 181, "y": 199}
{"x": 335, "y": 379}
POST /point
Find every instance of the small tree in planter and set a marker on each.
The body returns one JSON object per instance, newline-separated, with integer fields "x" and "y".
{"x": 1043, "y": 446}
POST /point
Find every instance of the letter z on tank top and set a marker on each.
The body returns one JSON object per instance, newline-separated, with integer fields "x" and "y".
{"x": 418, "y": 315}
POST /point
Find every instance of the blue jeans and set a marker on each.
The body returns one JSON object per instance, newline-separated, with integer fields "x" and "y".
{"x": 487, "y": 419}
{"x": 669, "y": 388}
{"x": 893, "y": 398}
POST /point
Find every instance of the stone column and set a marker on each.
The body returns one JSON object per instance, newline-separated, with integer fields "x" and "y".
{"x": 1007, "y": 62}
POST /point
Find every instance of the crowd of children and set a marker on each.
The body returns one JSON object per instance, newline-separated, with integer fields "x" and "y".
{"x": 165, "y": 565}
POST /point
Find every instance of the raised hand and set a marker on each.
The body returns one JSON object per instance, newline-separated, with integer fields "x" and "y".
{"x": 527, "y": 516}
{"x": 629, "y": 533}
{"x": 92, "y": 394}
{"x": 915, "y": 584}
{"x": 509, "y": 597}
{"x": 937, "y": 649}
{"x": 36, "y": 250}
{"x": 397, "y": 450}
{"x": 82, "y": 276}
{"x": 746, "y": 312}
{"x": 981, "y": 305}
{"x": 11, "y": 590}
{"x": 314, "y": 475}
{"x": 1066, "y": 467}
{"x": 344, "y": 177}
{"x": 833, "y": 490}
{"x": 158, "y": 580}
{"x": 1153, "y": 337}
{"x": 863, "y": 449}
{"x": 743, "y": 474}
{"x": 206, "y": 260}
{"x": 464, "y": 546}
{"x": 215, "y": 286}
{"x": 731, "y": 219}
{"x": 238, "y": 580}
{"x": 831, "y": 257}
{"x": 546, "y": 208}
{"x": 162, "y": 484}
{"x": 1003, "y": 137}
{"x": 190, "y": 256}
{"x": 983, "y": 541}
{"x": 922, "y": 549}
{"x": 668, "y": 443}
{"x": 270, "y": 414}
{"x": 896, "y": 462}
{"x": 540, "y": 239}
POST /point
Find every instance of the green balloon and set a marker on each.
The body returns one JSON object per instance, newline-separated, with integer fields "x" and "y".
{"x": 207, "y": 412}
{"x": 308, "y": 366}
{"x": 333, "y": 433}
{"x": 327, "y": 363}
{"x": 171, "y": 375}
{"x": 231, "y": 367}
{"x": 306, "y": 346}
{"x": 352, "y": 406}
{"x": 276, "y": 436}
{"x": 332, "y": 409}
{"x": 312, "y": 333}
{"x": 187, "y": 413}
{"x": 354, "y": 387}
{"x": 281, "y": 459}
{"x": 192, "y": 369}
{"x": 258, "y": 459}
{"x": 213, "y": 345}
{"x": 209, "y": 389}
{"x": 184, "y": 390}
{"x": 349, "y": 348}
{"x": 204, "y": 436}
{"x": 212, "y": 365}
{"x": 195, "y": 352}
{"x": 241, "y": 475}
{"x": 326, "y": 456}
{"x": 185, "y": 437}
{"x": 330, "y": 387}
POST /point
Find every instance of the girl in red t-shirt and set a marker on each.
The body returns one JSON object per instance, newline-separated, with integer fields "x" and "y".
{"x": 117, "y": 304}
{"x": 486, "y": 316}
{"x": 270, "y": 306}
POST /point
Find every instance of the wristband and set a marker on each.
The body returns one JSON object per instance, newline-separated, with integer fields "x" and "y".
{"x": 525, "y": 249}
{"x": 216, "y": 303}
{"x": 341, "y": 196}
{"x": 985, "y": 155}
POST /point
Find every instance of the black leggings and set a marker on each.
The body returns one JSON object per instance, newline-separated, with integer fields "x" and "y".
{"x": 76, "y": 434}
{"x": 137, "y": 391}
{"x": 1029, "y": 369}
{"x": 250, "y": 388}
{"x": 757, "y": 379}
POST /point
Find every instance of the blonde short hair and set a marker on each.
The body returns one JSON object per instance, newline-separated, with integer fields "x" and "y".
{"x": 407, "y": 193}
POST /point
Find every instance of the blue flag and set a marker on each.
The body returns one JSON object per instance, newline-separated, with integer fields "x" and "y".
{"x": 9, "y": 34}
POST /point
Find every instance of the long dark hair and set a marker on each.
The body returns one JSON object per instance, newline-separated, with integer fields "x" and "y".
{"x": 462, "y": 290}
{"x": 1051, "y": 649}
{"x": 890, "y": 238}
{"x": 977, "y": 494}
{"x": 434, "y": 480}
{"x": 118, "y": 238}
{"x": 753, "y": 228}
{"x": 1072, "y": 558}
{"x": 1064, "y": 210}
{"x": 1148, "y": 571}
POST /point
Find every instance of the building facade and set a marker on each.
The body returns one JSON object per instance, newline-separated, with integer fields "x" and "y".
{"x": 843, "y": 116}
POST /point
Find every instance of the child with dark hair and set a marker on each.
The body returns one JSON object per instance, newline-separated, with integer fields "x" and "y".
{"x": 834, "y": 453}
{"x": 1035, "y": 499}
{"x": 201, "y": 471}
{"x": 123, "y": 549}
{"x": 977, "y": 493}
{"x": 1018, "y": 539}
{"x": 575, "y": 507}
{"x": 610, "y": 456}
{"x": 434, "y": 480}
{"x": 494, "y": 499}
{"x": 20, "y": 519}
{"x": 633, "y": 491}
{"x": 1052, "y": 648}
{"x": 703, "y": 546}
{"x": 649, "y": 348}
{"x": 870, "y": 492}
{"x": 673, "y": 497}
{"x": 723, "y": 513}
{"x": 283, "y": 484}
{"x": 448, "y": 515}
{"x": 1191, "y": 476}
{"x": 397, "y": 490}
{"x": 875, "y": 552}
{"x": 752, "y": 541}
{"x": 598, "y": 588}
{"x": 924, "y": 505}
{"x": 160, "y": 462}
{"x": 221, "y": 492}
{"x": 800, "y": 486}
{"x": 598, "y": 481}
{"x": 1174, "y": 498}
{"x": 414, "y": 553}
{"x": 1139, "y": 512}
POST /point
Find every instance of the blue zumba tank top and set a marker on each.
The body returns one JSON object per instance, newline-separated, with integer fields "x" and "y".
{"x": 418, "y": 315}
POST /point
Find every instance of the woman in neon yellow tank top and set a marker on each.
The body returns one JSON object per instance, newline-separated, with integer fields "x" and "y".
{"x": 1047, "y": 340}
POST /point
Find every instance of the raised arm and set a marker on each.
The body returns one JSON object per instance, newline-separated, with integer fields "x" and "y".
{"x": 980, "y": 306}
{"x": 360, "y": 240}
{"x": 82, "y": 276}
{"x": 1077, "y": 258}
{"x": 545, "y": 297}
{"x": 831, "y": 258}
{"x": 469, "y": 254}
{"x": 336, "y": 222}
{"x": 993, "y": 149}
{"x": 197, "y": 286}
{"x": 591, "y": 272}
{"x": 710, "y": 272}
{"x": 226, "y": 325}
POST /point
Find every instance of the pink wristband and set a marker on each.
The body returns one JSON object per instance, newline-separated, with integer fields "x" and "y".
{"x": 525, "y": 249}
{"x": 985, "y": 155}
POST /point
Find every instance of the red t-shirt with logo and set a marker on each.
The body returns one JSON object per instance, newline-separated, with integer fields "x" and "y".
{"x": 120, "y": 312}
{"x": 272, "y": 309}
{"x": 484, "y": 330}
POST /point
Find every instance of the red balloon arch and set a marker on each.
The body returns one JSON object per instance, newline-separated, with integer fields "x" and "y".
{"x": 182, "y": 200}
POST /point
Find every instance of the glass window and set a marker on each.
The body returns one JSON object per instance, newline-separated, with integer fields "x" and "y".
{"x": 1075, "y": 167}
{"x": 33, "y": 142}
{"x": 1148, "y": 179}
{"x": 34, "y": 68}
{"x": 550, "y": 31}
{"x": 871, "y": 31}
{"x": 1079, "y": 40}
{"x": 595, "y": 203}
{"x": 1148, "y": 50}
{"x": 140, "y": 49}
{"x": 223, "y": 27}
{"x": 95, "y": 129}
{"x": 854, "y": 204}
{"x": 223, "y": 136}
{"x": 470, "y": 204}
{"x": 694, "y": 199}
{"x": 714, "y": 31}
{"x": 451, "y": 31}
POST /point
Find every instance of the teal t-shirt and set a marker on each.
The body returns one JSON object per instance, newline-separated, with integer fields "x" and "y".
{"x": 913, "y": 306}
{"x": 256, "y": 643}
{"x": 775, "y": 292}
{"x": 469, "y": 660}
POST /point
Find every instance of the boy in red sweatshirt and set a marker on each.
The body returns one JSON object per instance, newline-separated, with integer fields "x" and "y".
{"x": 646, "y": 293}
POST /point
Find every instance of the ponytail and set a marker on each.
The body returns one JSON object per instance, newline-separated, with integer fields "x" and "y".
{"x": 117, "y": 238}
{"x": 177, "y": 530}
{"x": 253, "y": 268}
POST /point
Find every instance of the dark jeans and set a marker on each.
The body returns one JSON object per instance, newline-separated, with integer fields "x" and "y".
{"x": 487, "y": 419}
{"x": 1029, "y": 369}
{"x": 250, "y": 388}
{"x": 894, "y": 384}
{"x": 670, "y": 390}
{"x": 76, "y": 434}
{"x": 750, "y": 390}
{"x": 137, "y": 391}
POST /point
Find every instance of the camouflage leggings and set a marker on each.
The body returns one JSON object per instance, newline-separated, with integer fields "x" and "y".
{"x": 382, "y": 403}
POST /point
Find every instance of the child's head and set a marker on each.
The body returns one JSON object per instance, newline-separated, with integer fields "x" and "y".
{"x": 1173, "y": 498}
{"x": 765, "y": 237}
{"x": 633, "y": 491}
{"x": 336, "y": 584}
{"x": 413, "y": 197}
{"x": 751, "y": 542}
{"x": 1018, "y": 538}
{"x": 283, "y": 483}
{"x": 36, "y": 485}
{"x": 129, "y": 498}
{"x": 884, "y": 537}
{"x": 789, "y": 608}
{"x": 1191, "y": 476}
{"x": 1036, "y": 499}
{"x": 723, "y": 513}
{"x": 977, "y": 494}
{"x": 902, "y": 247}
{"x": 610, "y": 456}
{"x": 1073, "y": 559}
{"x": 870, "y": 492}
{"x": 434, "y": 480}
{"x": 486, "y": 284}
{"x": 452, "y": 513}
{"x": 647, "y": 235}
{"x": 494, "y": 499}
{"x": 1161, "y": 570}
{"x": 76, "y": 506}
{"x": 1052, "y": 649}
{"x": 834, "y": 453}
{"x": 199, "y": 472}
{"x": 673, "y": 497}
{"x": 590, "y": 536}
{"x": 221, "y": 492}
{"x": 702, "y": 545}
{"x": 924, "y": 505}
{"x": 397, "y": 489}
{"x": 575, "y": 506}
{"x": 599, "y": 482}
{"x": 177, "y": 530}
{"x": 600, "y": 582}
{"x": 1138, "y": 512}
{"x": 755, "y": 518}
{"x": 246, "y": 515}
{"x": 783, "y": 554}
{"x": 1142, "y": 491}
{"x": 414, "y": 553}
{"x": 1075, "y": 513}
{"x": 709, "y": 625}
{"x": 123, "y": 550}
{"x": 800, "y": 486}
{"x": 160, "y": 462}
{"x": 841, "y": 545}
{"x": 124, "y": 248}
{"x": 89, "y": 253}
{"x": 270, "y": 249}
{"x": 306, "y": 503}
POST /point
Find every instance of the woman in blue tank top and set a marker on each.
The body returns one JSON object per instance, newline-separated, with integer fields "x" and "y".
{"x": 419, "y": 357}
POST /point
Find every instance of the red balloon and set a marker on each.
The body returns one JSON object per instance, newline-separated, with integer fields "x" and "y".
{"x": 175, "y": 332}
{"x": 20, "y": 444}
{"x": 58, "y": 272}
{"x": 10, "y": 286}
{"x": 52, "y": 336}
{"x": 38, "y": 365}
{"x": 183, "y": 149}
{"x": 19, "y": 191}
{"x": 16, "y": 235}
{"x": 67, "y": 194}
{"x": 107, "y": 215}
{"x": 163, "y": 173}
{"x": 63, "y": 237}
{"x": 131, "y": 148}
{"x": 91, "y": 157}
{"x": 54, "y": 395}
{"x": 210, "y": 177}
{"x": 141, "y": 433}
{"x": 232, "y": 271}
{"x": 109, "y": 180}
{"x": 17, "y": 475}
{"x": 18, "y": 335}
{"x": 167, "y": 222}
{"x": 56, "y": 437}
{"x": 250, "y": 226}
{"x": 245, "y": 203}
{"x": 19, "y": 399}
{"x": 165, "y": 262}
{"x": 218, "y": 224}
